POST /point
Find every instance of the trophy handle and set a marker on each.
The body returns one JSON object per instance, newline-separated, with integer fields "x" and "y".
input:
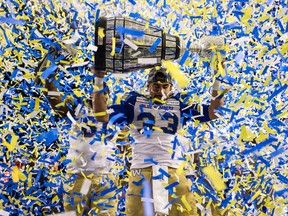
{"x": 100, "y": 54}
{"x": 203, "y": 44}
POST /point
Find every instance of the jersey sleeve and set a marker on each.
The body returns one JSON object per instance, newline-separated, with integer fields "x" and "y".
{"x": 195, "y": 111}
{"x": 123, "y": 113}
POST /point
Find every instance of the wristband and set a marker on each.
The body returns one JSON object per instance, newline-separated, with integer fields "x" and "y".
{"x": 216, "y": 85}
{"x": 98, "y": 82}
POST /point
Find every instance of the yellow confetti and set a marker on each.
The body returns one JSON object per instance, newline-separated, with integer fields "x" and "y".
{"x": 215, "y": 178}
{"x": 90, "y": 176}
{"x": 268, "y": 129}
{"x": 214, "y": 13}
{"x": 208, "y": 204}
{"x": 113, "y": 46}
{"x": 78, "y": 92}
{"x": 242, "y": 98}
{"x": 101, "y": 32}
{"x": 55, "y": 199}
{"x": 31, "y": 198}
{"x": 12, "y": 145}
{"x": 79, "y": 208}
{"x": 262, "y": 136}
{"x": 102, "y": 138}
{"x": 30, "y": 180}
{"x": 185, "y": 202}
{"x": 176, "y": 73}
{"x": 158, "y": 101}
{"x": 283, "y": 114}
{"x": 17, "y": 175}
{"x": 244, "y": 133}
{"x": 83, "y": 174}
{"x": 255, "y": 195}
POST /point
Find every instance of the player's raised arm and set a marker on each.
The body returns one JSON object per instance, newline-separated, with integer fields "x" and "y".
{"x": 52, "y": 93}
{"x": 217, "y": 100}
{"x": 55, "y": 98}
{"x": 99, "y": 99}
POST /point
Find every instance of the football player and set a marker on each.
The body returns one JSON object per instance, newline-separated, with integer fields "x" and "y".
{"x": 156, "y": 155}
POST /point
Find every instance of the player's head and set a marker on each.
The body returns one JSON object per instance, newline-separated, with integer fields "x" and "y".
{"x": 159, "y": 83}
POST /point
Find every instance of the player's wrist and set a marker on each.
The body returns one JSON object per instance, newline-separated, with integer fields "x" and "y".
{"x": 99, "y": 82}
{"x": 216, "y": 85}
{"x": 100, "y": 74}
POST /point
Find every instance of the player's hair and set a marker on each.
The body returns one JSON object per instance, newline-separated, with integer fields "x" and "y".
{"x": 159, "y": 75}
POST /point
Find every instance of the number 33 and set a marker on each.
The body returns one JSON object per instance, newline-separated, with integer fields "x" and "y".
{"x": 149, "y": 121}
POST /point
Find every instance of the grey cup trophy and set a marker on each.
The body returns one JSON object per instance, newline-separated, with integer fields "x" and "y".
{"x": 126, "y": 45}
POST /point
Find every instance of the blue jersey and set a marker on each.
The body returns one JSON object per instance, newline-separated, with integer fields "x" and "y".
{"x": 154, "y": 126}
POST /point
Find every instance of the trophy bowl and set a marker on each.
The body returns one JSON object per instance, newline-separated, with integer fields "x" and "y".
{"x": 126, "y": 45}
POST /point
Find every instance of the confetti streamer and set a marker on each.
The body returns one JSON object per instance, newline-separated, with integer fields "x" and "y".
{"x": 101, "y": 32}
{"x": 136, "y": 33}
{"x": 17, "y": 175}
{"x": 176, "y": 73}
{"x": 155, "y": 45}
{"x": 92, "y": 47}
{"x": 113, "y": 46}
{"x": 48, "y": 71}
{"x": 73, "y": 39}
{"x": 4, "y": 213}
{"x": 130, "y": 44}
{"x": 260, "y": 145}
{"x": 160, "y": 195}
{"x": 12, "y": 21}
{"x": 214, "y": 178}
{"x": 85, "y": 186}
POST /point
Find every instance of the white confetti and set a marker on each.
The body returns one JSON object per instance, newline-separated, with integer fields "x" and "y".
{"x": 85, "y": 186}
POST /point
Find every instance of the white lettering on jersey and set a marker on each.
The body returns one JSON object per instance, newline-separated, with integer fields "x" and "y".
{"x": 157, "y": 107}
{"x": 142, "y": 99}
{"x": 173, "y": 102}
{"x": 136, "y": 172}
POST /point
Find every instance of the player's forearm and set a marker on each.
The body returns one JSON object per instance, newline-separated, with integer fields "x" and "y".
{"x": 54, "y": 99}
{"x": 99, "y": 102}
{"x": 100, "y": 107}
{"x": 216, "y": 102}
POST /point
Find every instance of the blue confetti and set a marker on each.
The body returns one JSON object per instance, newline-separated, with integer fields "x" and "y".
{"x": 260, "y": 145}
{"x": 12, "y": 21}
{"x": 136, "y": 33}
{"x": 49, "y": 71}
{"x": 155, "y": 45}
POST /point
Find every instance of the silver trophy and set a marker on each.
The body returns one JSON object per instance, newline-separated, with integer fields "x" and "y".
{"x": 126, "y": 45}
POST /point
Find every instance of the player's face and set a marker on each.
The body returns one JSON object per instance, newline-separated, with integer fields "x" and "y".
{"x": 158, "y": 90}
